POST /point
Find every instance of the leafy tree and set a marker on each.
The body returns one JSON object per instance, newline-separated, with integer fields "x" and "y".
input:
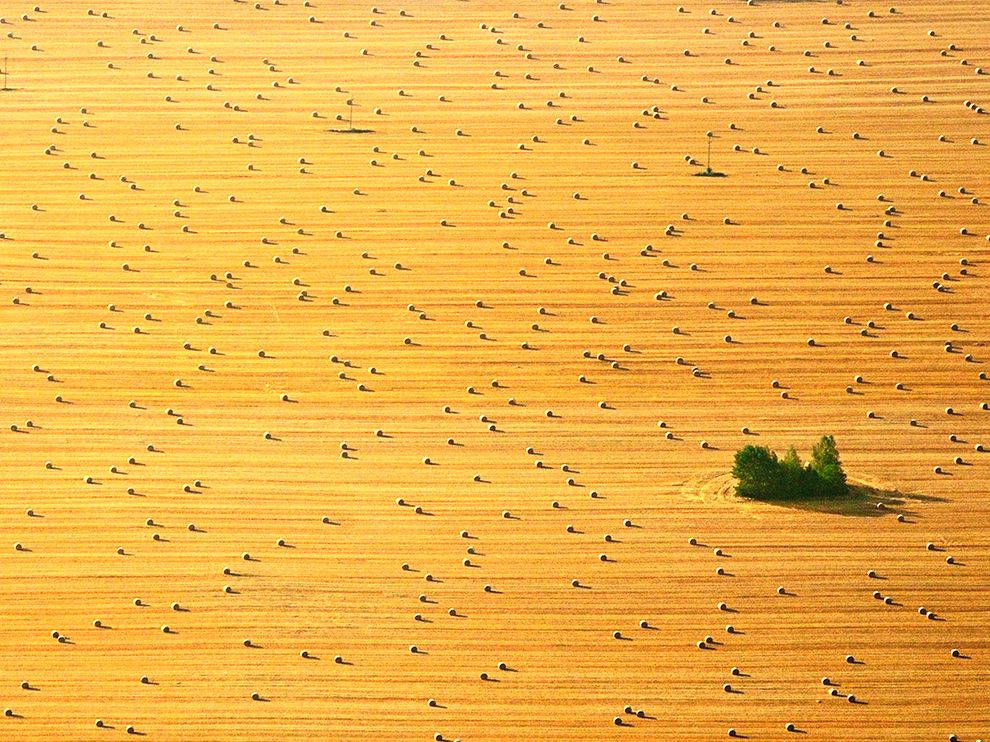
{"x": 791, "y": 472}
{"x": 756, "y": 468}
{"x": 825, "y": 462}
{"x": 762, "y": 475}
{"x": 824, "y": 453}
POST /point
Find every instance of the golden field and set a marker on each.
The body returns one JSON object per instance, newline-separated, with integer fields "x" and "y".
{"x": 205, "y": 131}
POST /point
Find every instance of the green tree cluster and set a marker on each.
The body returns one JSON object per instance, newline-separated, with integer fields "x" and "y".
{"x": 762, "y": 475}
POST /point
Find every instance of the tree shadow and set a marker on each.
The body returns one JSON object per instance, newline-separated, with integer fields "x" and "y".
{"x": 862, "y": 501}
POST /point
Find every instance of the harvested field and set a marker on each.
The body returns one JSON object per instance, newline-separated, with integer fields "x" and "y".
{"x": 407, "y": 338}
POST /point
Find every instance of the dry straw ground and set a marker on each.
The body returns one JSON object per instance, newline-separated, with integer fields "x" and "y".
{"x": 191, "y": 143}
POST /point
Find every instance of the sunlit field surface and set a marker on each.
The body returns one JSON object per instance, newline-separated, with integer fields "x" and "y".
{"x": 409, "y": 338}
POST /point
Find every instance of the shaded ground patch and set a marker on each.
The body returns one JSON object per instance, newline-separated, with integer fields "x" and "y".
{"x": 861, "y": 501}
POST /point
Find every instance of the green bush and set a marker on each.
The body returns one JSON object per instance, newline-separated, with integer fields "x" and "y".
{"x": 762, "y": 475}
